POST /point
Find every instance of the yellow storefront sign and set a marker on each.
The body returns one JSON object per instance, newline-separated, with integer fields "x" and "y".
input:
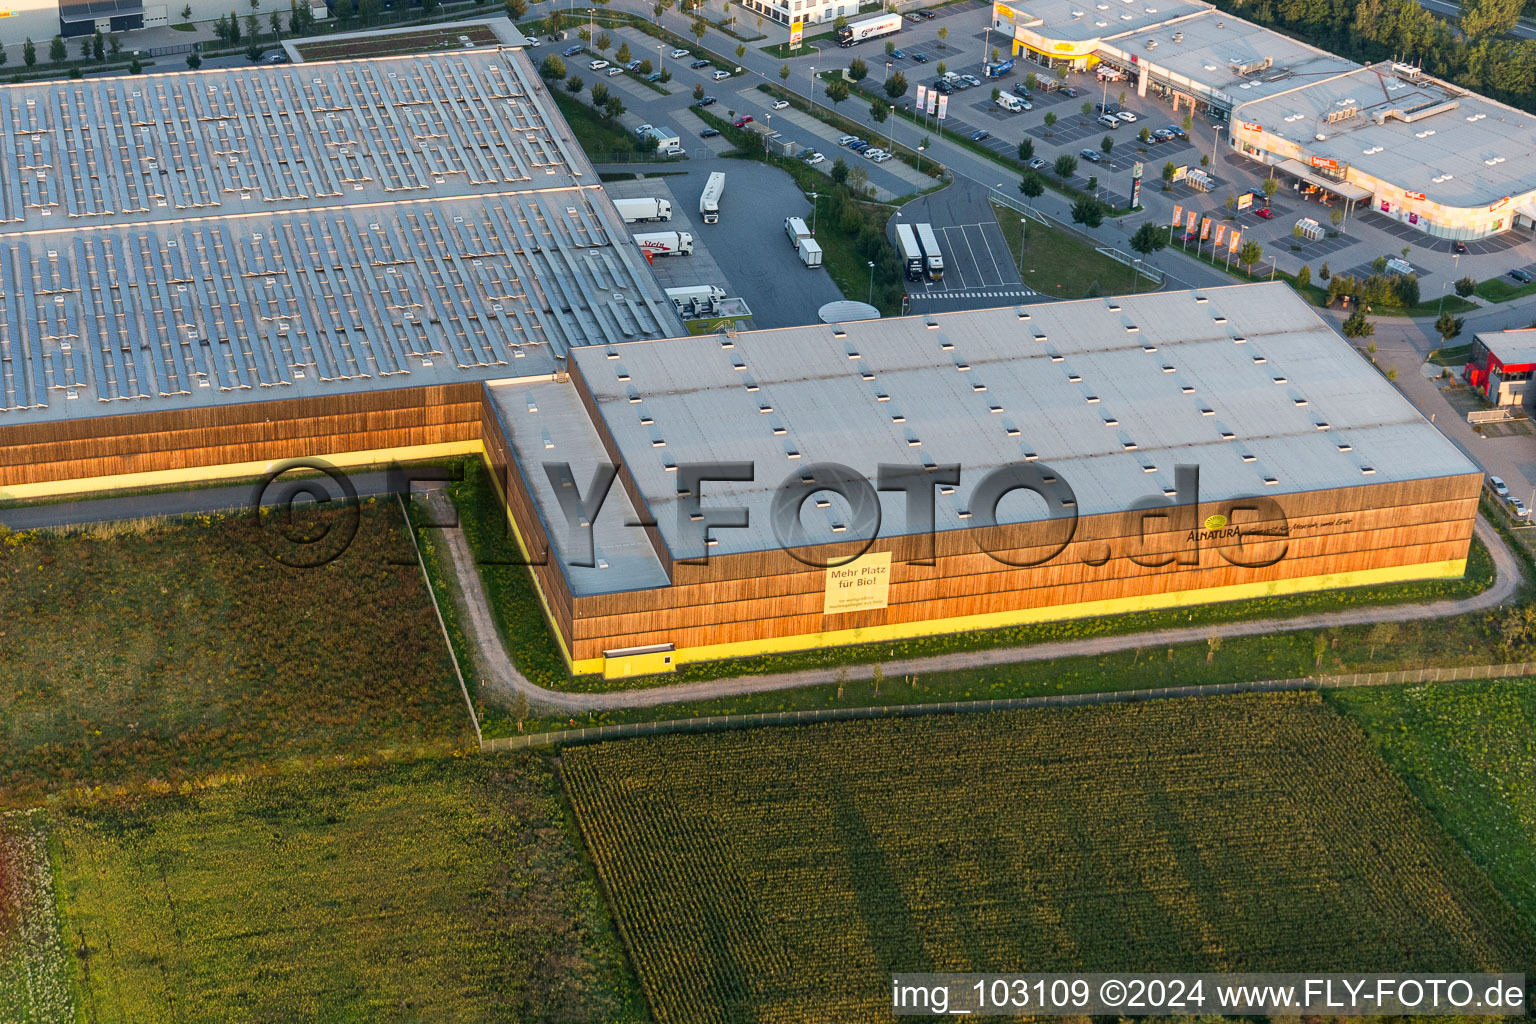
{"x": 861, "y": 585}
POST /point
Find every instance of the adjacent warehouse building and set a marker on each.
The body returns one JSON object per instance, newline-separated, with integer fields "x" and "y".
{"x": 1440, "y": 159}
{"x": 1313, "y": 472}
{"x": 1501, "y": 367}
{"x": 202, "y": 272}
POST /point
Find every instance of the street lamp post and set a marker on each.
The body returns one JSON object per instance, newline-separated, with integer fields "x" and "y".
{"x": 768, "y": 125}
{"x": 813, "y": 91}
{"x": 871, "y": 282}
{"x": 1023, "y": 240}
{"x": 1455, "y": 268}
{"x": 920, "y": 149}
{"x": 1215, "y": 141}
{"x": 815, "y": 205}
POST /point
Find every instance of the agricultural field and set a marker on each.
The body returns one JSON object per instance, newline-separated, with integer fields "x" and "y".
{"x": 438, "y": 890}
{"x": 1468, "y": 750}
{"x": 171, "y": 651}
{"x": 34, "y": 977}
{"x": 784, "y": 874}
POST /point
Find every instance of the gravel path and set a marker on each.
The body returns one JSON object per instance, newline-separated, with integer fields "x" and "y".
{"x": 504, "y": 677}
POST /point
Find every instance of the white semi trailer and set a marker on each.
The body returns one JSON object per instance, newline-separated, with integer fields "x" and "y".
{"x": 709, "y": 201}
{"x": 636, "y": 210}
{"x": 665, "y": 243}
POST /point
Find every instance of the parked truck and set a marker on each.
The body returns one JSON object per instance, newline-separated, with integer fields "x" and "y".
{"x": 911, "y": 252}
{"x": 869, "y": 28}
{"x": 999, "y": 69}
{"x": 795, "y": 228}
{"x": 665, "y": 243}
{"x": 709, "y": 201}
{"x": 933, "y": 258}
{"x": 635, "y": 210}
{"x": 695, "y": 297}
{"x": 806, "y": 247}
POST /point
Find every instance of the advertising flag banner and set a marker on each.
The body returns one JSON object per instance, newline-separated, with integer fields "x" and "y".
{"x": 1205, "y": 228}
{"x": 1189, "y": 220}
{"x": 922, "y": 97}
{"x": 1221, "y": 234}
{"x": 1178, "y": 215}
{"x": 1232, "y": 245}
{"x": 943, "y": 107}
{"x": 933, "y": 100}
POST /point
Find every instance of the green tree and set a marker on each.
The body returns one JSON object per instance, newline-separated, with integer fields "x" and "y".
{"x": 1465, "y": 286}
{"x": 1050, "y": 122}
{"x": 1379, "y": 265}
{"x": 599, "y": 94}
{"x": 1031, "y": 81}
{"x": 234, "y": 22}
{"x": 1357, "y": 326}
{"x": 699, "y": 28}
{"x": 1107, "y": 144}
{"x": 1323, "y": 272}
{"x": 1149, "y": 238}
{"x": 839, "y": 171}
{"x": 135, "y": 68}
{"x": 783, "y": 72}
{"x": 114, "y": 44}
{"x": 698, "y": 91}
{"x": 741, "y": 51}
{"x": 1303, "y": 276}
{"x": 275, "y": 20}
{"x": 896, "y": 86}
{"x": 1088, "y": 212}
{"x": 645, "y": 68}
{"x": 858, "y": 70}
{"x": 1189, "y": 122}
{"x": 573, "y": 84}
{"x": 1249, "y": 254}
{"x": 837, "y": 91}
{"x": 942, "y": 69}
{"x": 1269, "y": 187}
{"x": 604, "y": 41}
{"x": 943, "y": 35}
{"x": 552, "y": 68}
{"x": 1065, "y": 166}
{"x": 1448, "y": 325}
{"x": 613, "y": 107}
{"x": 839, "y": 22}
{"x": 1489, "y": 17}
{"x": 1086, "y": 108}
{"x": 622, "y": 55}
{"x": 1026, "y": 150}
{"x": 996, "y": 92}
{"x": 890, "y": 47}
{"x": 253, "y": 51}
{"x": 194, "y": 61}
{"x": 1336, "y": 218}
{"x": 98, "y": 47}
{"x": 29, "y": 53}
{"x": 85, "y": 47}
{"x": 1031, "y": 185}
{"x": 1093, "y": 184}
{"x": 879, "y": 110}
{"x": 1169, "y": 170}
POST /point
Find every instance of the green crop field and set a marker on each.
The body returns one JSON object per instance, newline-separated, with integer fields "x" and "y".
{"x": 784, "y": 874}
{"x": 176, "y": 650}
{"x": 438, "y": 890}
{"x": 1469, "y": 751}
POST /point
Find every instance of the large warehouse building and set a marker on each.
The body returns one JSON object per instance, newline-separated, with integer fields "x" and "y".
{"x": 204, "y": 273}
{"x": 1413, "y": 148}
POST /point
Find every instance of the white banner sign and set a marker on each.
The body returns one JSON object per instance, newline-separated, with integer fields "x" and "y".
{"x": 922, "y": 97}
{"x": 933, "y": 100}
{"x": 943, "y": 107}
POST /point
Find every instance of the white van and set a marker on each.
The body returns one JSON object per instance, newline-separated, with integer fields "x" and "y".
{"x": 1011, "y": 103}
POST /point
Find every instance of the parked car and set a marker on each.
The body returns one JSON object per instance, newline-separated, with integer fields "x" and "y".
{"x": 676, "y": 54}
{"x": 880, "y": 157}
{"x": 847, "y": 139}
{"x": 1178, "y": 132}
{"x": 1127, "y": 116}
{"x": 676, "y": 151}
{"x": 814, "y": 158}
{"x": 742, "y": 121}
{"x": 1496, "y": 485}
{"x": 708, "y": 101}
{"x": 914, "y": 16}
{"x": 871, "y": 153}
{"x": 921, "y": 58}
{"x": 570, "y": 51}
{"x": 597, "y": 65}
{"x": 1109, "y": 120}
{"x": 654, "y": 76}
{"x": 699, "y": 64}
{"x": 1265, "y": 212}
{"x": 1163, "y": 135}
{"x": 780, "y": 104}
{"x": 1070, "y": 93}
{"x": 944, "y": 87}
{"x": 633, "y": 65}
{"x": 978, "y": 136}
{"x": 278, "y": 58}
{"x": 970, "y": 80}
{"x": 1039, "y": 163}
{"x": 709, "y": 133}
{"x": 613, "y": 71}
{"x": 927, "y": 15}
{"x": 1191, "y": 236}
{"x": 858, "y": 147}
{"x": 1520, "y": 275}
{"x": 1091, "y": 155}
{"x": 1022, "y": 92}
{"x": 1459, "y": 248}
{"x": 1518, "y": 510}
{"x": 721, "y": 76}
{"x": 898, "y": 53}
{"x": 1107, "y": 108}
{"x": 644, "y": 128}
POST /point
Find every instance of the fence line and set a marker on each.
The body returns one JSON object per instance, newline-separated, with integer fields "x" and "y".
{"x": 1124, "y": 257}
{"x": 715, "y": 723}
{"x": 1004, "y": 199}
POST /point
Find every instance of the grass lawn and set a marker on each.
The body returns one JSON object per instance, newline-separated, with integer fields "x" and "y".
{"x": 1058, "y": 263}
{"x": 786, "y": 873}
{"x": 597, "y": 136}
{"x": 442, "y": 890}
{"x": 1455, "y": 357}
{"x": 1466, "y": 750}
{"x": 183, "y": 649}
{"x": 421, "y": 41}
{"x": 1502, "y": 289}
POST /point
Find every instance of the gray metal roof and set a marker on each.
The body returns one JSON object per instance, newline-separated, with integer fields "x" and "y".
{"x": 1514, "y": 347}
{"x": 231, "y": 235}
{"x": 1083, "y": 20}
{"x": 1245, "y": 381}
{"x": 1461, "y": 149}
